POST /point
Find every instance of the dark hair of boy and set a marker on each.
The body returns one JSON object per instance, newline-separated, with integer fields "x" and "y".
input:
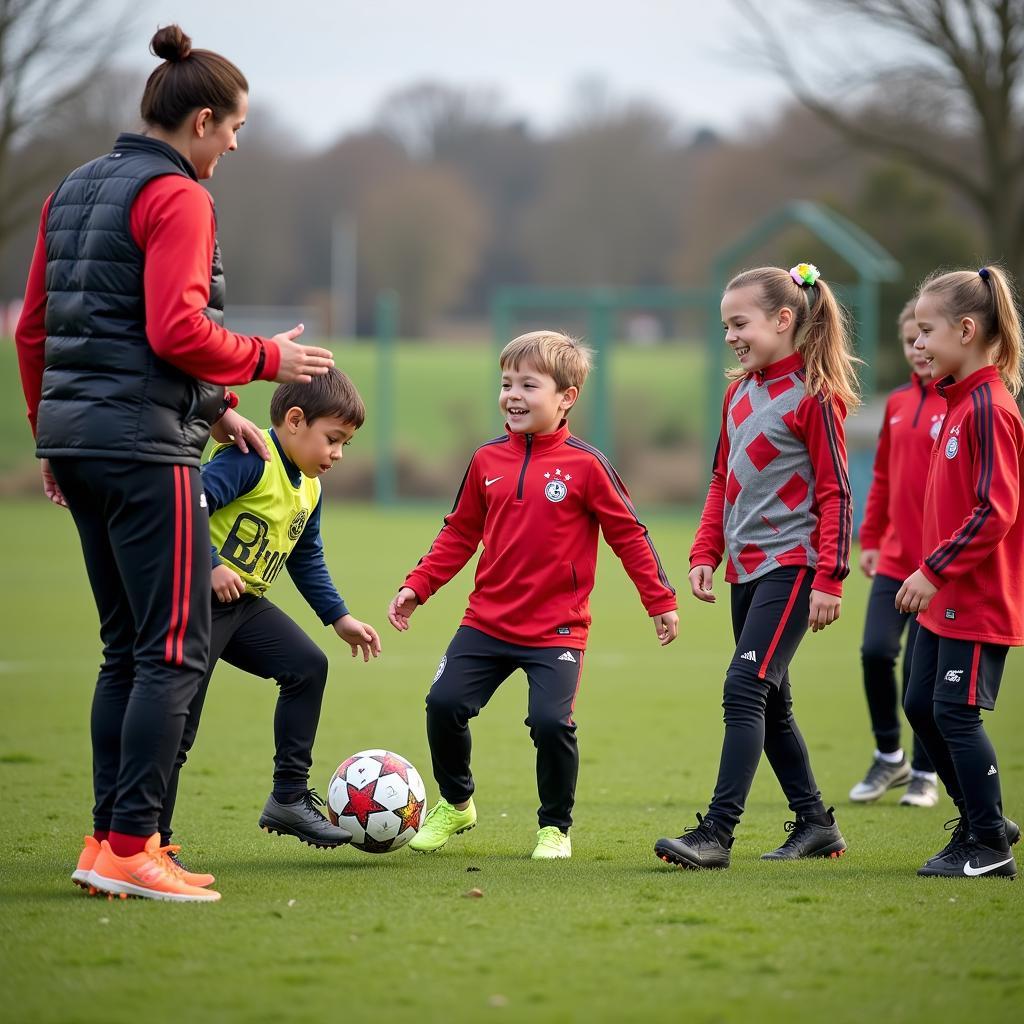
{"x": 333, "y": 394}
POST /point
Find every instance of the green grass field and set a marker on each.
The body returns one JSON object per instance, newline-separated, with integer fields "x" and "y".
{"x": 613, "y": 935}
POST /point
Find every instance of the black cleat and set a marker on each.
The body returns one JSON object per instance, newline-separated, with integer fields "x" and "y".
{"x": 697, "y": 847}
{"x": 958, "y": 828}
{"x": 970, "y": 859}
{"x": 806, "y": 839}
{"x": 303, "y": 820}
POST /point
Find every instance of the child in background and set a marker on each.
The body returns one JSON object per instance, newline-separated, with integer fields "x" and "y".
{"x": 779, "y": 507}
{"x": 265, "y": 516}
{"x": 890, "y": 540}
{"x": 968, "y": 593}
{"x": 535, "y": 497}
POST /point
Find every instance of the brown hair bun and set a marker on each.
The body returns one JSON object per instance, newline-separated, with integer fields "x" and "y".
{"x": 170, "y": 43}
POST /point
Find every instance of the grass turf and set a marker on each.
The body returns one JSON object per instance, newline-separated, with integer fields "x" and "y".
{"x": 611, "y": 935}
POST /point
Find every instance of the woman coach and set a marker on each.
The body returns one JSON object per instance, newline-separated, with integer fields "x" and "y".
{"x": 124, "y": 363}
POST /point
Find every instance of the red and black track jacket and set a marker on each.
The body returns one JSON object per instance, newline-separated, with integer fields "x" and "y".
{"x": 973, "y": 530}
{"x": 895, "y": 502}
{"x": 536, "y": 501}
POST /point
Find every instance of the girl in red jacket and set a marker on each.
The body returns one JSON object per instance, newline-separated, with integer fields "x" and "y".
{"x": 779, "y": 509}
{"x": 968, "y": 592}
{"x": 890, "y": 540}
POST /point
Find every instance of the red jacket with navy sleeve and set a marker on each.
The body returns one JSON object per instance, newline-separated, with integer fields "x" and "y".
{"x": 973, "y": 529}
{"x": 536, "y": 501}
{"x": 895, "y": 502}
{"x": 780, "y": 488}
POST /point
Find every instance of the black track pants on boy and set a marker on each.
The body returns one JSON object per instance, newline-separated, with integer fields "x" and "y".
{"x": 473, "y": 668}
{"x": 256, "y": 636}
{"x": 883, "y": 630}
{"x": 146, "y": 541}
{"x": 951, "y": 681}
{"x": 769, "y": 619}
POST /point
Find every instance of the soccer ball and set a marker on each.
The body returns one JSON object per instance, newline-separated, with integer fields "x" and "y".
{"x": 379, "y": 797}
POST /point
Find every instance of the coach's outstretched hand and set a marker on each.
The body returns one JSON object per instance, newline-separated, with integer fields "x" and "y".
{"x": 701, "y": 581}
{"x": 404, "y": 603}
{"x": 300, "y": 363}
{"x": 359, "y": 636}
{"x": 666, "y": 625}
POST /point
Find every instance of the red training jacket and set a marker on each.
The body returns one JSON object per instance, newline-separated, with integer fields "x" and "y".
{"x": 972, "y": 523}
{"x": 895, "y": 502}
{"x": 172, "y": 222}
{"x": 536, "y": 501}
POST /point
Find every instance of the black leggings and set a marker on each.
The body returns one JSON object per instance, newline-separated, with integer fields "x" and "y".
{"x": 769, "y": 619}
{"x": 256, "y": 636}
{"x": 883, "y": 630}
{"x": 146, "y": 542}
{"x": 473, "y": 668}
{"x": 950, "y": 682}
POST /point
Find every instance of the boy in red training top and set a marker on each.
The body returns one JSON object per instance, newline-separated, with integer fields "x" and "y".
{"x": 535, "y": 497}
{"x": 890, "y": 541}
{"x": 968, "y": 593}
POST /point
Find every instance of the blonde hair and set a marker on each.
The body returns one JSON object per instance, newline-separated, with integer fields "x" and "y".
{"x": 555, "y": 354}
{"x": 907, "y": 313}
{"x": 987, "y": 296}
{"x": 822, "y": 331}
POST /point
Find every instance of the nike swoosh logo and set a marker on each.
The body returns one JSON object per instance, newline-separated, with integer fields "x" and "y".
{"x": 972, "y": 871}
{"x": 487, "y": 483}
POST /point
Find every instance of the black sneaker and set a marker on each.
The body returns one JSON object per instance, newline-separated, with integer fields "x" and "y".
{"x": 303, "y": 820}
{"x": 697, "y": 847}
{"x": 958, "y": 828}
{"x": 806, "y": 839}
{"x": 971, "y": 859}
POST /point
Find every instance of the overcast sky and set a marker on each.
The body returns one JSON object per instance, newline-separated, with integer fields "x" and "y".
{"x": 325, "y": 66}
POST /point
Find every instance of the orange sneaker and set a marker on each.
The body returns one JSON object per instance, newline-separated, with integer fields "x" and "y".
{"x": 147, "y": 874}
{"x": 191, "y": 877}
{"x": 86, "y": 859}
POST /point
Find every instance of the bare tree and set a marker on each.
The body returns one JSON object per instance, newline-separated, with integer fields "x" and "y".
{"x": 953, "y": 106}
{"x": 51, "y": 52}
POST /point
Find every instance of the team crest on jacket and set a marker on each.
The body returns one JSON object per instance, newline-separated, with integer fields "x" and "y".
{"x": 936, "y": 426}
{"x": 298, "y": 524}
{"x": 952, "y": 446}
{"x": 555, "y": 489}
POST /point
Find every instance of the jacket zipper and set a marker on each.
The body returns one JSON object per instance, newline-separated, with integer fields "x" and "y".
{"x": 920, "y": 405}
{"x": 522, "y": 472}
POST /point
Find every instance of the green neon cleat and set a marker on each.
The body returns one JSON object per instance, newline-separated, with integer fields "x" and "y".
{"x": 443, "y": 821}
{"x": 552, "y": 844}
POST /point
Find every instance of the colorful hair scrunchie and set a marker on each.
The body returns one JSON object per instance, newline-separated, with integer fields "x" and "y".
{"x": 805, "y": 274}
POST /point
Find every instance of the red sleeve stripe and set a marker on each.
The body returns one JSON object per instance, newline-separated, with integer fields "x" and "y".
{"x": 981, "y": 399}
{"x": 842, "y": 567}
{"x": 575, "y": 442}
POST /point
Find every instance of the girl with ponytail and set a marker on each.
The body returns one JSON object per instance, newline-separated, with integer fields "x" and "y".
{"x": 779, "y": 510}
{"x": 968, "y": 593}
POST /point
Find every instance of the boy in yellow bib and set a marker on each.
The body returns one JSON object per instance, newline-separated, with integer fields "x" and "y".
{"x": 265, "y": 516}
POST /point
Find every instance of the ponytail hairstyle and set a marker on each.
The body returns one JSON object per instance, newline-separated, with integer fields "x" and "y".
{"x": 822, "y": 327}
{"x": 188, "y": 80}
{"x": 906, "y": 313}
{"x": 987, "y": 296}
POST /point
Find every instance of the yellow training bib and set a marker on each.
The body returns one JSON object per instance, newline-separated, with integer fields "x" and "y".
{"x": 255, "y": 533}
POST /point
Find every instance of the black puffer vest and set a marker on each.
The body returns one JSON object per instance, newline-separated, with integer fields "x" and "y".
{"x": 105, "y": 393}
